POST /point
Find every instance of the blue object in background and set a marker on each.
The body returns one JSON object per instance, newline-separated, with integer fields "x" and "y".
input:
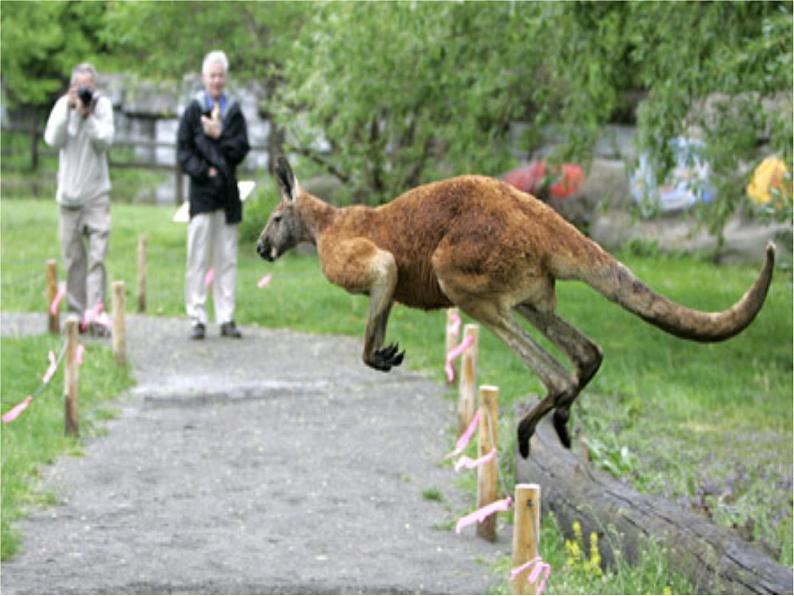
{"x": 686, "y": 185}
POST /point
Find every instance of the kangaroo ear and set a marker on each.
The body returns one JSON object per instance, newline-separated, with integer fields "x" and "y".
{"x": 287, "y": 183}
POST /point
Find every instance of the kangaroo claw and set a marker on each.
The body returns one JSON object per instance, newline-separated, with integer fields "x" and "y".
{"x": 385, "y": 358}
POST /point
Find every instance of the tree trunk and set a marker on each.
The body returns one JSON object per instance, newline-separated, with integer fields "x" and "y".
{"x": 714, "y": 558}
{"x": 34, "y": 142}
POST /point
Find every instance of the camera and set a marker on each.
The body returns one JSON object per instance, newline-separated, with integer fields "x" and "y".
{"x": 86, "y": 95}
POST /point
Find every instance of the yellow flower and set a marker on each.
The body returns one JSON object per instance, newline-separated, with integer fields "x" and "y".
{"x": 595, "y": 555}
{"x": 577, "y": 530}
{"x": 769, "y": 176}
{"x": 574, "y": 554}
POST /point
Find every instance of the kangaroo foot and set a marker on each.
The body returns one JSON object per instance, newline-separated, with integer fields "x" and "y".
{"x": 387, "y": 357}
{"x": 525, "y": 431}
{"x": 560, "y": 420}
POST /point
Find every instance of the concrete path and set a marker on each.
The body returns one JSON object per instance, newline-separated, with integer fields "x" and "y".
{"x": 278, "y": 463}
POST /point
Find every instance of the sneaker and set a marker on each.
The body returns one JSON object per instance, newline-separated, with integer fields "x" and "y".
{"x": 198, "y": 331}
{"x": 97, "y": 330}
{"x": 230, "y": 330}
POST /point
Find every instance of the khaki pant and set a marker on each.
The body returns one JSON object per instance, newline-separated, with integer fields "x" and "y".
{"x": 211, "y": 241}
{"x": 84, "y": 233}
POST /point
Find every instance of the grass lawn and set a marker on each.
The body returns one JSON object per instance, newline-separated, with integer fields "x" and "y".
{"x": 709, "y": 425}
{"x": 37, "y": 437}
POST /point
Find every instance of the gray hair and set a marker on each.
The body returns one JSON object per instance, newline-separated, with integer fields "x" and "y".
{"x": 82, "y": 68}
{"x": 216, "y": 56}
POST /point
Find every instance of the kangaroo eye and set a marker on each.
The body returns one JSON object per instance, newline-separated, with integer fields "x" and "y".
{"x": 277, "y": 218}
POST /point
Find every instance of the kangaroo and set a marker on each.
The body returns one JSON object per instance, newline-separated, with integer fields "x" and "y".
{"x": 484, "y": 246}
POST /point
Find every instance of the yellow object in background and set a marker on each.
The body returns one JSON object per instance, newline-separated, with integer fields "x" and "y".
{"x": 771, "y": 174}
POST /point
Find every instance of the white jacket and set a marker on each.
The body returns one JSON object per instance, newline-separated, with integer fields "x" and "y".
{"x": 83, "y": 165}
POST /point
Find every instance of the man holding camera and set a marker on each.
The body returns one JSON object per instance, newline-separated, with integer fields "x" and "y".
{"x": 81, "y": 127}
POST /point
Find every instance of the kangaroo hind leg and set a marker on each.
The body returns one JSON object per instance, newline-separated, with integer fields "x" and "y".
{"x": 557, "y": 380}
{"x": 585, "y": 355}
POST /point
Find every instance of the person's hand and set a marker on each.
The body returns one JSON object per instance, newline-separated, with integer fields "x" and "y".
{"x": 212, "y": 172}
{"x": 73, "y": 100}
{"x": 75, "y": 103}
{"x": 212, "y": 128}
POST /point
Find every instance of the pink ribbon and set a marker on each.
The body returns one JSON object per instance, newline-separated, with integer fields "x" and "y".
{"x": 79, "y": 355}
{"x": 91, "y": 315}
{"x": 103, "y": 320}
{"x": 454, "y": 353}
{"x": 17, "y": 409}
{"x": 482, "y": 513}
{"x": 539, "y": 566}
{"x": 465, "y": 437}
{"x": 264, "y": 281}
{"x": 208, "y": 279}
{"x": 52, "y": 368}
{"x": 57, "y": 300}
{"x": 469, "y": 463}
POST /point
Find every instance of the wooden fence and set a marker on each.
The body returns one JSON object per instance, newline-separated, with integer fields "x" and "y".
{"x": 36, "y": 137}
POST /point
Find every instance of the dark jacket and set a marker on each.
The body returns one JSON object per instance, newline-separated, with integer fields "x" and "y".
{"x": 196, "y": 152}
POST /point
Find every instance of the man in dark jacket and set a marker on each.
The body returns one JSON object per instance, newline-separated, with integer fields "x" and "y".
{"x": 211, "y": 142}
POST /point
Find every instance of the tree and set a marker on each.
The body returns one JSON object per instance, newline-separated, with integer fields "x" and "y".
{"x": 722, "y": 71}
{"x": 166, "y": 40}
{"x": 42, "y": 42}
{"x": 389, "y": 95}
{"x": 404, "y": 92}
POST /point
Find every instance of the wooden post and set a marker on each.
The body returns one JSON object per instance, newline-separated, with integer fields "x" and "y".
{"x": 526, "y": 534}
{"x": 488, "y": 474}
{"x": 453, "y": 337}
{"x": 468, "y": 380}
{"x": 71, "y": 415}
{"x": 119, "y": 340}
{"x": 34, "y": 141}
{"x": 142, "y": 273}
{"x": 54, "y": 320}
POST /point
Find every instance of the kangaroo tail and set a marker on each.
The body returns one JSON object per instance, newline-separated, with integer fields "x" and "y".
{"x": 615, "y": 281}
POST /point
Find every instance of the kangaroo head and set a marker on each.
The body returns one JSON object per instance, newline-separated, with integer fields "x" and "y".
{"x": 285, "y": 227}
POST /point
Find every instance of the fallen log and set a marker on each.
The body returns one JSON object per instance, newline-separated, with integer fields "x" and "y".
{"x": 714, "y": 558}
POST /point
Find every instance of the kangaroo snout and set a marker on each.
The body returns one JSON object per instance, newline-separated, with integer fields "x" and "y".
{"x": 263, "y": 249}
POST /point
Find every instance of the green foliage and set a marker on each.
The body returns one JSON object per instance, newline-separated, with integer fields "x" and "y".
{"x": 577, "y": 567}
{"x": 432, "y": 494}
{"x": 41, "y": 43}
{"x": 255, "y": 36}
{"x": 390, "y": 95}
{"x": 404, "y": 91}
{"x": 618, "y": 460}
{"x": 722, "y": 71}
{"x": 36, "y": 438}
{"x": 257, "y": 210}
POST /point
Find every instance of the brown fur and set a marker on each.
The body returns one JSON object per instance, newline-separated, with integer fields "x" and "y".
{"x": 484, "y": 246}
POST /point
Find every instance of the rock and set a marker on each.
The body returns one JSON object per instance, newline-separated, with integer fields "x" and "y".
{"x": 717, "y": 106}
{"x": 715, "y": 559}
{"x": 745, "y": 241}
{"x": 151, "y": 100}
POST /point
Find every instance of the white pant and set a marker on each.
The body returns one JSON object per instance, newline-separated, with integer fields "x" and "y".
{"x": 85, "y": 269}
{"x": 211, "y": 240}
